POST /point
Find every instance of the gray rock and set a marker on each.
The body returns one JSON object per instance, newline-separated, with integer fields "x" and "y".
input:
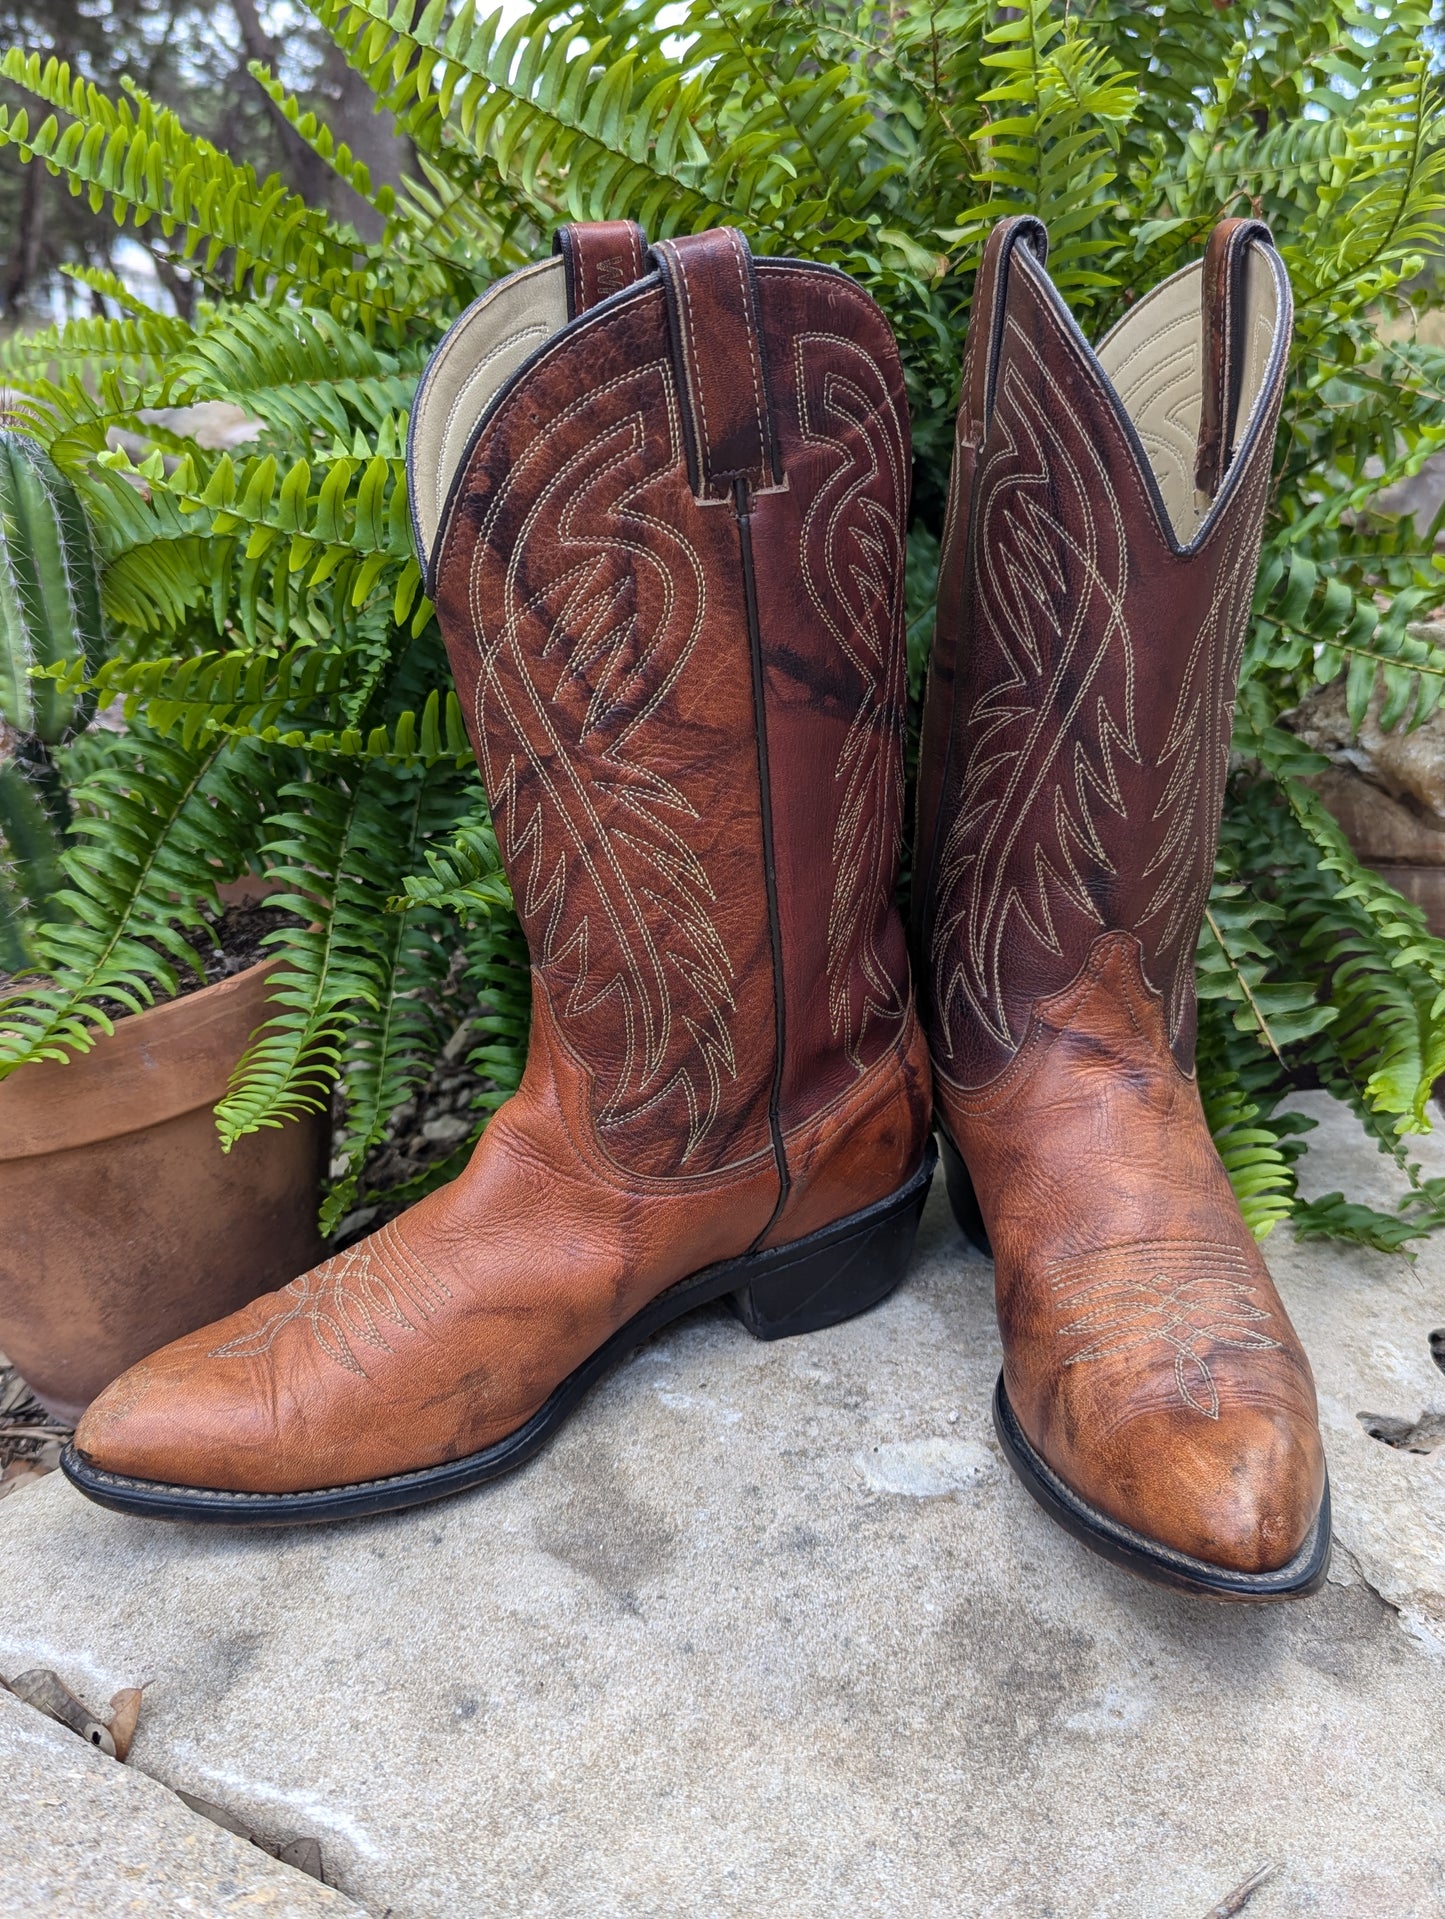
{"x": 84, "y": 1837}
{"x": 1405, "y": 766}
{"x": 1366, "y": 1321}
{"x": 771, "y": 1630}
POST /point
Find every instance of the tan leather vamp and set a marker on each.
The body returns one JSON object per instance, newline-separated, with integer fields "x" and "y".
{"x": 450, "y": 1327}
{"x": 1148, "y": 1356}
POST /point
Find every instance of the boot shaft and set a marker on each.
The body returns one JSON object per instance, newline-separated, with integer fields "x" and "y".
{"x": 661, "y": 500}
{"x": 1098, "y": 567}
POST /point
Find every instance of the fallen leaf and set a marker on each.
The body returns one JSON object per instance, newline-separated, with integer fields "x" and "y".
{"x": 48, "y": 1693}
{"x": 217, "y": 1815}
{"x": 303, "y": 1853}
{"x": 124, "y": 1712}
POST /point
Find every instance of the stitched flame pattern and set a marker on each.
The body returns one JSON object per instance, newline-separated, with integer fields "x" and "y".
{"x": 852, "y": 563}
{"x": 353, "y": 1301}
{"x": 1182, "y": 1302}
{"x": 1084, "y": 800}
{"x": 588, "y": 604}
{"x": 1045, "y": 745}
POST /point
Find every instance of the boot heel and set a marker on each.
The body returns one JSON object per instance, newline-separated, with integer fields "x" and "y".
{"x": 962, "y": 1197}
{"x": 839, "y": 1271}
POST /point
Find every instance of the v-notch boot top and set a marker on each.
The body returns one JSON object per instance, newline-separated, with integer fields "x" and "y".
{"x": 1098, "y": 568}
{"x": 660, "y": 498}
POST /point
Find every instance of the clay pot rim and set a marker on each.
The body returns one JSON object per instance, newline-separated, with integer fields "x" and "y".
{"x": 156, "y": 1065}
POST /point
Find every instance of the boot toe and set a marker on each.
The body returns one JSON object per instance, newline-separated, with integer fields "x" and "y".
{"x": 173, "y": 1420}
{"x": 1243, "y": 1495}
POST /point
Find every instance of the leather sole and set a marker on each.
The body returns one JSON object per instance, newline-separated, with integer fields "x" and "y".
{"x": 1304, "y": 1574}
{"x": 830, "y": 1276}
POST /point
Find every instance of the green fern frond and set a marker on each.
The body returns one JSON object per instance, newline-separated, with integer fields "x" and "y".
{"x": 465, "y": 876}
{"x": 139, "y": 159}
{"x": 335, "y": 848}
{"x": 320, "y": 139}
{"x": 1051, "y": 146}
{"x": 280, "y": 586}
{"x": 1332, "y": 1216}
{"x": 390, "y": 1048}
{"x": 156, "y": 829}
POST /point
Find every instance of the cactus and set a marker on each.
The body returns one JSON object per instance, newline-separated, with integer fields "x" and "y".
{"x": 49, "y": 615}
{"x": 30, "y": 873}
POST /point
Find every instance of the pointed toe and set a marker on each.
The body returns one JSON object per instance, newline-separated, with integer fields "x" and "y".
{"x": 1251, "y": 1522}
{"x": 119, "y": 1429}
{"x": 168, "y": 1421}
{"x": 1244, "y": 1495}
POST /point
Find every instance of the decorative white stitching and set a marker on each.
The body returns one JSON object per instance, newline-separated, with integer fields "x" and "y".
{"x": 759, "y": 401}
{"x": 1192, "y": 1297}
{"x": 860, "y": 604}
{"x": 1046, "y": 755}
{"x": 1034, "y": 568}
{"x": 623, "y": 849}
{"x": 348, "y": 1299}
{"x": 692, "y": 365}
{"x": 689, "y": 346}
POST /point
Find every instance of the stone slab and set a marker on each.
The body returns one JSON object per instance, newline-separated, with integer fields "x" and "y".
{"x": 771, "y": 1630}
{"x": 82, "y": 1837}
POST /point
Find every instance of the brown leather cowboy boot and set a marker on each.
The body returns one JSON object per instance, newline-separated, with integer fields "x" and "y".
{"x": 661, "y": 500}
{"x": 1098, "y": 567}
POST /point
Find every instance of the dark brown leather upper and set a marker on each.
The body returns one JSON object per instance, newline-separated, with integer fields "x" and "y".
{"x": 671, "y": 589}
{"x": 620, "y": 569}
{"x": 600, "y": 258}
{"x": 1075, "y": 749}
{"x": 1092, "y": 667}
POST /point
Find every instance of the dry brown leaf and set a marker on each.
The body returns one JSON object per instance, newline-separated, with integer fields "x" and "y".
{"x": 124, "y": 1713}
{"x": 305, "y": 1855}
{"x": 303, "y": 1852}
{"x": 48, "y": 1693}
{"x": 218, "y": 1816}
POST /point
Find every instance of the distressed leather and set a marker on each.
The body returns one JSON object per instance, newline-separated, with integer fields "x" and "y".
{"x": 600, "y": 258}
{"x": 1075, "y": 750}
{"x": 676, "y": 630}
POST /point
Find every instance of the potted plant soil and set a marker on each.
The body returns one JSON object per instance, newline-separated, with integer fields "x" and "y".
{"x": 123, "y": 1222}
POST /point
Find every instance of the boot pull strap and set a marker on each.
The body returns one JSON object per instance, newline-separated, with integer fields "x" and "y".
{"x": 717, "y": 351}
{"x": 601, "y": 257}
{"x": 985, "y": 323}
{"x": 1225, "y": 345}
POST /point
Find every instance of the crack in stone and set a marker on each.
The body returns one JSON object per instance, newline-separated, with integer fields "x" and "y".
{"x": 1423, "y": 1435}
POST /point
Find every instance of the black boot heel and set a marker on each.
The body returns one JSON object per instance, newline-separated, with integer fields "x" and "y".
{"x": 962, "y": 1197}
{"x": 838, "y": 1271}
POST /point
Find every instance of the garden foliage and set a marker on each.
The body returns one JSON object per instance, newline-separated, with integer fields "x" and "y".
{"x": 281, "y": 673}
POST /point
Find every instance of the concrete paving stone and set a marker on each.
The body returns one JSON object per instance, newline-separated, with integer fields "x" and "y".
{"x": 82, "y": 1837}
{"x": 772, "y": 1630}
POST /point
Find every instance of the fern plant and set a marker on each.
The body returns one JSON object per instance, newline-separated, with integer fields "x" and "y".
{"x": 285, "y": 691}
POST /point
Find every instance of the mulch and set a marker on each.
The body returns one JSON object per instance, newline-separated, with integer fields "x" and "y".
{"x": 30, "y": 1439}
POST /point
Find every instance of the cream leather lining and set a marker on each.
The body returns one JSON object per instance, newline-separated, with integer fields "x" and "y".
{"x": 482, "y": 350}
{"x": 1155, "y": 359}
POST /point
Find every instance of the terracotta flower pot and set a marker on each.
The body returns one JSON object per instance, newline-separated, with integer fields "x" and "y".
{"x": 122, "y": 1223}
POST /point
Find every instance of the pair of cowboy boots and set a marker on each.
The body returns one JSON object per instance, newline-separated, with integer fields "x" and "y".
{"x": 661, "y": 498}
